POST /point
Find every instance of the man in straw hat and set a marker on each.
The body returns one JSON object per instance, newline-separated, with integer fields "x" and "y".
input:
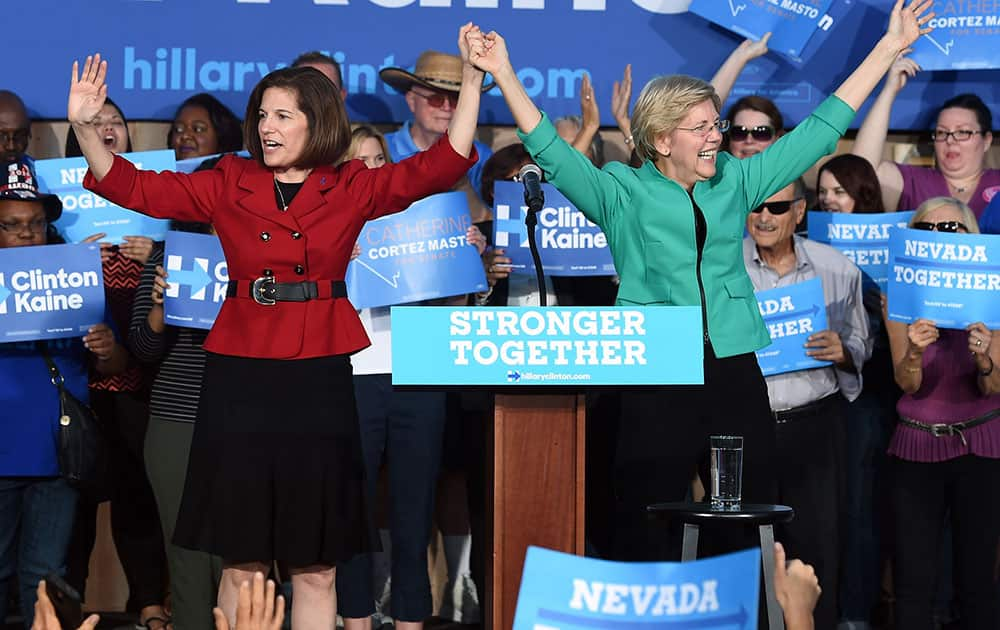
{"x": 431, "y": 92}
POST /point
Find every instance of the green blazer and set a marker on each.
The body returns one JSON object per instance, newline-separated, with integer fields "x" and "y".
{"x": 649, "y": 220}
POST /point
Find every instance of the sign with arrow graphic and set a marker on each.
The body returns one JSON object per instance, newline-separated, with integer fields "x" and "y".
{"x": 50, "y": 291}
{"x": 951, "y": 279}
{"x": 791, "y": 22}
{"x": 966, "y": 39}
{"x": 863, "y": 238}
{"x": 197, "y": 279}
{"x": 85, "y": 213}
{"x": 419, "y": 254}
{"x": 791, "y": 314}
{"x": 560, "y": 591}
{"x": 568, "y": 244}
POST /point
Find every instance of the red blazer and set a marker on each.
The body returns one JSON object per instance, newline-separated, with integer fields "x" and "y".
{"x": 312, "y": 241}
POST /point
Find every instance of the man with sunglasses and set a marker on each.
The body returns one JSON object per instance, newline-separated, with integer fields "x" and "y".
{"x": 431, "y": 93}
{"x": 809, "y": 405}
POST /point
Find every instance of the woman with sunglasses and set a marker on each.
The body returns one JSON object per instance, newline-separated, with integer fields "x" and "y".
{"x": 944, "y": 456}
{"x": 675, "y": 226}
{"x": 961, "y": 135}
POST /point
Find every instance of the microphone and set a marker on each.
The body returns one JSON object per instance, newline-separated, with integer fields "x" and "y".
{"x": 531, "y": 176}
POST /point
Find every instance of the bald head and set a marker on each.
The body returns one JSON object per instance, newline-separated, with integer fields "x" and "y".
{"x": 15, "y": 127}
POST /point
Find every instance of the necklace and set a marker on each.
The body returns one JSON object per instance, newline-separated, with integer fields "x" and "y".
{"x": 970, "y": 181}
{"x": 277, "y": 187}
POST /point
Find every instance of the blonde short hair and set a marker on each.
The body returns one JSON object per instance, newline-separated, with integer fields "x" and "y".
{"x": 663, "y": 104}
{"x": 932, "y": 204}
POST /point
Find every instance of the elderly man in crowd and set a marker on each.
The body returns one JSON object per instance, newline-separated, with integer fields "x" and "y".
{"x": 808, "y": 405}
{"x": 15, "y": 130}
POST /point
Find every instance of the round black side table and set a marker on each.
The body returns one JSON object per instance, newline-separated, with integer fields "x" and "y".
{"x": 693, "y": 515}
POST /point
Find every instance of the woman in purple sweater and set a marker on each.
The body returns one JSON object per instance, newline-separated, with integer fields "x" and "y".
{"x": 945, "y": 453}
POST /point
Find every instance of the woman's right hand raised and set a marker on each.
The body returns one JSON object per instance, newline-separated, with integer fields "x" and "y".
{"x": 88, "y": 91}
{"x": 902, "y": 70}
{"x": 492, "y": 55}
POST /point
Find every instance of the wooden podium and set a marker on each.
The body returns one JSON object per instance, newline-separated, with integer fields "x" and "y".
{"x": 537, "y": 451}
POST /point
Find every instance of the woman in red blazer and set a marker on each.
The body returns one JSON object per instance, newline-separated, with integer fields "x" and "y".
{"x": 275, "y": 469}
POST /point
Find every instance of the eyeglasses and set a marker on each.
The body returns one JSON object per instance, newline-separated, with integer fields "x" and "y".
{"x": 776, "y": 207}
{"x": 761, "y": 133}
{"x": 941, "y": 226}
{"x": 437, "y": 99}
{"x": 15, "y": 136}
{"x": 35, "y": 227}
{"x": 960, "y": 135}
{"x": 704, "y": 128}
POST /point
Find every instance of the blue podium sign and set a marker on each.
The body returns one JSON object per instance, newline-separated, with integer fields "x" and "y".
{"x": 418, "y": 254}
{"x": 863, "y": 238}
{"x": 951, "y": 279}
{"x": 85, "y": 213}
{"x": 792, "y": 23}
{"x": 568, "y": 244}
{"x": 50, "y": 291}
{"x": 966, "y": 36}
{"x": 791, "y": 314}
{"x": 547, "y": 346}
{"x": 197, "y": 279}
{"x": 560, "y": 591}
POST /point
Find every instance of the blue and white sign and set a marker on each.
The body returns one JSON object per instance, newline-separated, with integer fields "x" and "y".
{"x": 966, "y": 36}
{"x": 197, "y": 279}
{"x": 950, "y": 279}
{"x": 50, "y": 291}
{"x": 791, "y": 314}
{"x": 547, "y": 346}
{"x": 568, "y": 244}
{"x": 419, "y": 254}
{"x": 791, "y": 22}
{"x": 85, "y": 214}
{"x": 560, "y": 591}
{"x": 863, "y": 238}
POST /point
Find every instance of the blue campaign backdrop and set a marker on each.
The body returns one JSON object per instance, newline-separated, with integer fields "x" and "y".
{"x": 418, "y": 254}
{"x": 791, "y": 314}
{"x": 50, "y": 291}
{"x": 791, "y": 23}
{"x": 568, "y": 244}
{"x": 563, "y": 591}
{"x": 864, "y": 238}
{"x": 965, "y": 36}
{"x": 197, "y": 278}
{"x": 950, "y": 279}
{"x": 225, "y": 47}
{"x": 85, "y": 213}
{"x": 546, "y": 346}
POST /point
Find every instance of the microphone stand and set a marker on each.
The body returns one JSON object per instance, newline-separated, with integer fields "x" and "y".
{"x": 531, "y": 221}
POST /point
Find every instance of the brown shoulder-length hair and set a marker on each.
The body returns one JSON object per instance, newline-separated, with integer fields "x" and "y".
{"x": 319, "y": 100}
{"x": 857, "y": 177}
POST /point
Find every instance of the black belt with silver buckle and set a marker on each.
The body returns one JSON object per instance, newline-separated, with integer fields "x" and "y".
{"x": 940, "y": 429}
{"x": 266, "y": 291}
{"x": 804, "y": 411}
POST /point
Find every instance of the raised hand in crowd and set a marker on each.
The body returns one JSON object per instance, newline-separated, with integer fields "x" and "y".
{"x": 621, "y": 96}
{"x": 899, "y": 74}
{"x": 591, "y": 117}
{"x": 797, "y": 590}
{"x": 87, "y": 94}
{"x": 256, "y": 607}
{"x": 730, "y": 70}
{"x": 45, "y": 613}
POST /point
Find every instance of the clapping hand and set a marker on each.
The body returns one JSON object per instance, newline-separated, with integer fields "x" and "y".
{"x": 87, "y": 91}
{"x": 621, "y": 95}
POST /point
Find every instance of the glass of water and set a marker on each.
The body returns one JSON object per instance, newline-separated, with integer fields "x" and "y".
{"x": 727, "y": 472}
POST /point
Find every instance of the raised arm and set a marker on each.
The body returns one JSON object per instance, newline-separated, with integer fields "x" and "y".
{"x": 462, "y": 129}
{"x": 87, "y": 93}
{"x": 725, "y": 77}
{"x": 870, "y": 143}
{"x": 491, "y": 56}
{"x": 621, "y": 96}
{"x": 591, "y": 116}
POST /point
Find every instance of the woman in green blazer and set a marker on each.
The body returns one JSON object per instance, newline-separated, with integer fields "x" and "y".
{"x": 675, "y": 228}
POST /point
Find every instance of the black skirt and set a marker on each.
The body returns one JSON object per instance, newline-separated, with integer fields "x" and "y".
{"x": 275, "y": 470}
